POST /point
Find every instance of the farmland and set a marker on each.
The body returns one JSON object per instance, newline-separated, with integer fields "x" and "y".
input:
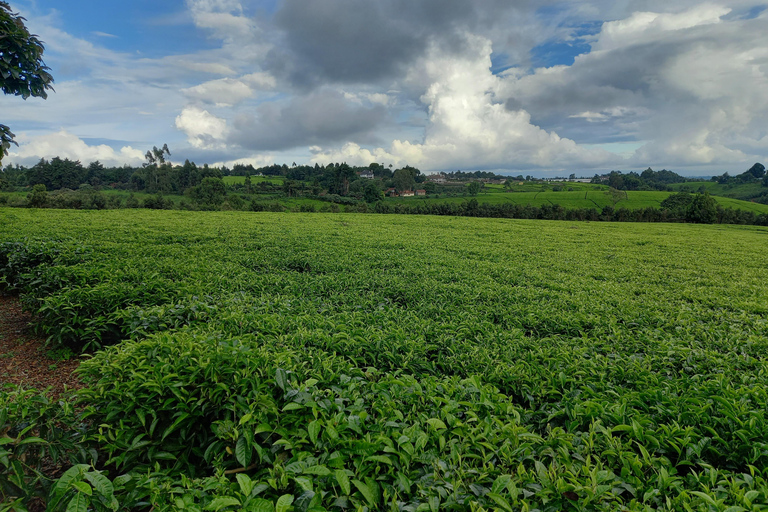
{"x": 264, "y": 361}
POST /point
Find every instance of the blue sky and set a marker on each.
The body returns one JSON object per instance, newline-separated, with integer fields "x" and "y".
{"x": 149, "y": 28}
{"x": 540, "y": 87}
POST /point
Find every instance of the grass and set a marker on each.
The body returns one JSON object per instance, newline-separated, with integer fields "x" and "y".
{"x": 589, "y": 197}
{"x": 275, "y": 180}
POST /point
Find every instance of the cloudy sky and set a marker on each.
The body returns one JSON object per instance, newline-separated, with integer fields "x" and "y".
{"x": 515, "y": 86}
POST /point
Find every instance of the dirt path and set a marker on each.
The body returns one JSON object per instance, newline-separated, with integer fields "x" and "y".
{"x": 23, "y": 358}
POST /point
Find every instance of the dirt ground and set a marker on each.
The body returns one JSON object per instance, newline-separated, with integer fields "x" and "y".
{"x": 23, "y": 355}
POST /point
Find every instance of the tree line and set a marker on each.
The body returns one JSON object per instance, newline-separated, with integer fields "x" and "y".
{"x": 647, "y": 180}
{"x": 681, "y": 207}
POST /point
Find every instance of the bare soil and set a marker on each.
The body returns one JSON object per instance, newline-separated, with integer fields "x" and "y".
{"x": 24, "y": 358}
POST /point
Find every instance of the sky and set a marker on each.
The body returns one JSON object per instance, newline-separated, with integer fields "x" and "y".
{"x": 539, "y": 87}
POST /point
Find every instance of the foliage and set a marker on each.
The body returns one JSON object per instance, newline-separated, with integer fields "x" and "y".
{"x": 474, "y": 188}
{"x": 404, "y": 179}
{"x": 38, "y": 198}
{"x": 702, "y": 210}
{"x": 57, "y": 174}
{"x": 647, "y": 180}
{"x": 372, "y": 192}
{"x": 22, "y": 262}
{"x": 210, "y": 193}
{"x": 33, "y": 433}
{"x": 22, "y": 71}
{"x": 267, "y": 363}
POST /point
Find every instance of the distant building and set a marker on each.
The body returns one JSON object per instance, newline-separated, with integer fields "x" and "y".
{"x": 391, "y": 192}
{"x": 406, "y": 193}
{"x": 437, "y": 178}
{"x": 421, "y": 192}
{"x": 368, "y": 174}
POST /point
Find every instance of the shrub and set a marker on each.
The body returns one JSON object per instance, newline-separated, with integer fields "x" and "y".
{"x": 21, "y": 262}
{"x": 34, "y": 431}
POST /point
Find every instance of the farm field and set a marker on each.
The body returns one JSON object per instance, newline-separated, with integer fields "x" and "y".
{"x": 733, "y": 190}
{"x": 232, "y": 180}
{"x": 595, "y": 197}
{"x": 572, "y": 196}
{"x": 264, "y": 361}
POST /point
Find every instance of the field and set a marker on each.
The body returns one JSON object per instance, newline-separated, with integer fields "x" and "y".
{"x": 587, "y": 196}
{"x": 569, "y": 196}
{"x": 275, "y": 180}
{"x": 373, "y": 362}
{"x": 743, "y": 191}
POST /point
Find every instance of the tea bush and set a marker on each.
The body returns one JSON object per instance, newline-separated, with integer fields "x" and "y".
{"x": 329, "y": 362}
{"x": 33, "y": 431}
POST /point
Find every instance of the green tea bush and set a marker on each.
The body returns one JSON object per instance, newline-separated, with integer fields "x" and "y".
{"x": 267, "y": 434}
{"x": 82, "y": 487}
{"x": 279, "y": 362}
{"x": 169, "y": 390}
{"x": 20, "y": 262}
{"x": 88, "y": 318}
{"x": 34, "y": 432}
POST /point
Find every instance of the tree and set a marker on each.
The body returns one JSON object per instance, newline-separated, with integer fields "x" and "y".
{"x": 38, "y": 198}
{"x": 22, "y": 70}
{"x": 372, "y": 192}
{"x": 757, "y": 170}
{"x": 57, "y": 174}
{"x": 210, "y": 193}
{"x": 343, "y": 174}
{"x": 403, "y": 180}
{"x": 677, "y": 205}
{"x": 157, "y": 169}
{"x": 248, "y": 184}
{"x": 616, "y": 195}
{"x": 702, "y": 210}
{"x": 157, "y": 155}
{"x": 474, "y": 188}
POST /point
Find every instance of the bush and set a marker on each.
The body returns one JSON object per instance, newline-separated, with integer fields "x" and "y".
{"x": 33, "y": 433}
{"x": 21, "y": 263}
{"x": 38, "y": 198}
{"x": 307, "y": 207}
{"x": 302, "y": 428}
{"x": 88, "y": 317}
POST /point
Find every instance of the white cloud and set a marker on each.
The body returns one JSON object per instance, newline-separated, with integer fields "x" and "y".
{"x": 230, "y": 91}
{"x": 643, "y": 25}
{"x": 255, "y": 160}
{"x": 222, "y": 92}
{"x": 468, "y": 126}
{"x": 691, "y": 84}
{"x": 67, "y": 145}
{"x": 685, "y": 80}
{"x": 203, "y": 129}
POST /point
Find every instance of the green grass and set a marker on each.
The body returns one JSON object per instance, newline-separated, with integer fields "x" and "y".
{"x": 738, "y": 191}
{"x": 591, "y": 196}
{"x": 275, "y": 180}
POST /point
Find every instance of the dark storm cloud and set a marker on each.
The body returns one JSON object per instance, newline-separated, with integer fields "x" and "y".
{"x": 321, "y": 117}
{"x": 353, "y": 41}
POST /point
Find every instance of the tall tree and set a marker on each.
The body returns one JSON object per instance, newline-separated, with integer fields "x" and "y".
{"x": 22, "y": 70}
{"x": 403, "y": 179}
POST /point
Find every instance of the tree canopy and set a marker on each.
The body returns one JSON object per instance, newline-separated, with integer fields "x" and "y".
{"x": 22, "y": 70}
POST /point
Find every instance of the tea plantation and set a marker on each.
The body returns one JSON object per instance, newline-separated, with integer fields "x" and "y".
{"x": 308, "y": 362}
